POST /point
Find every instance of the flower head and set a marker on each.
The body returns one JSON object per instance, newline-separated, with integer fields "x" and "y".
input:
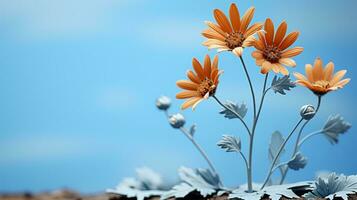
{"x": 272, "y": 48}
{"x": 307, "y": 112}
{"x": 319, "y": 80}
{"x": 231, "y": 35}
{"x": 177, "y": 120}
{"x": 201, "y": 84}
{"x": 163, "y": 103}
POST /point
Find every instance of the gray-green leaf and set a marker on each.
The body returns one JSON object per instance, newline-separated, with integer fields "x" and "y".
{"x": 230, "y": 143}
{"x": 335, "y": 126}
{"x": 192, "y": 130}
{"x": 297, "y": 162}
{"x": 334, "y": 186}
{"x": 240, "y": 110}
{"x": 275, "y": 143}
{"x": 279, "y": 85}
{"x": 200, "y": 180}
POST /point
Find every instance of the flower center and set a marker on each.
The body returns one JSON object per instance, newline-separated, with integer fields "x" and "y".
{"x": 205, "y": 87}
{"x": 323, "y": 84}
{"x": 234, "y": 40}
{"x": 272, "y": 54}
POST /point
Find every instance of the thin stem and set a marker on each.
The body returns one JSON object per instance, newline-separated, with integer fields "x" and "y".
{"x": 296, "y": 148}
{"x": 279, "y": 152}
{"x": 166, "y": 113}
{"x": 250, "y": 86}
{"x": 309, "y": 136}
{"x": 234, "y": 112}
{"x": 251, "y": 139}
{"x": 280, "y": 165}
{"x": 199, "y": 148}
{"x": 245, "y": 160}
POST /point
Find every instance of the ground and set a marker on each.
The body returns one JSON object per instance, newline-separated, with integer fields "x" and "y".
{"x": 71, "y": 195}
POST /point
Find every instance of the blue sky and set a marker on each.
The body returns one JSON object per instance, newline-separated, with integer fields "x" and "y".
{"x": 79, "y": 79}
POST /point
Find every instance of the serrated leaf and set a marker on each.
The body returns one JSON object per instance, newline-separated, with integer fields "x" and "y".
{"x": 241, "y": 110}
{"x": 178, "y": 191}
{"x": 192, "y": 130}
{"x": 335, "y": 126}
{"x": 200, "y": 180}
{"x": 297, "y": 162}
{"x": 275, "y": 192}
{"x": 230, "y": 143}
{"x": 334, "y": 186}
{"x": 280, "y": 85}
{"x": 147, "y": 184}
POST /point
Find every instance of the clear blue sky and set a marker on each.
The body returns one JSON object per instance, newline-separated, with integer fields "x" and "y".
{"x": 79, "y": 79}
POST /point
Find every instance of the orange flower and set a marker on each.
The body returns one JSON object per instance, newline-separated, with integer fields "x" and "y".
{"x": 231, "y": 35}
{"x": 201, "y": 84}
{"x": 321, "y": 81}
{"x": 272, "y": 52}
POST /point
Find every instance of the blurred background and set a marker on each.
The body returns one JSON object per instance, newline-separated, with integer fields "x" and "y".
{"x": 79, "y": 79}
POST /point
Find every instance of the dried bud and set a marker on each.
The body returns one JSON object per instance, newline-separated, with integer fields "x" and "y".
{"x": 177, "y": 120}
{"x": 307, "y": 112}
{"x": 163, "y": 103}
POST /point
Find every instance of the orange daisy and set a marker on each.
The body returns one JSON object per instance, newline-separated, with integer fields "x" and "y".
{"x": 231, "y": 35}
{"x": 202, "y": 82}
{"x": 272, "y": 52}
{"x": 321, "y": 81}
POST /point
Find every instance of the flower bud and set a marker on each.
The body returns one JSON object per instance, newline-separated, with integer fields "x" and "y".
{"x": 163, "y": 103}
{"x": 177, "y": 120}
{"x": 307, "y": 112}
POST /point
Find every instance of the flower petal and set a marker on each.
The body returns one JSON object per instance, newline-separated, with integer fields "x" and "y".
{"x": 198, "y": 68}
{"x": 257, "y": 54}
{"x": 275, "y": 68}
{"x": 207, "y": 66}
{"x": 289, "y": 40}
{"x": 309, "y": 73}
{"x": 216, "y": 28}
{"x": 338, "y": 76}
{"x": 187, "y": 85}
{"x": 280, "y": 33}
{"x": 300, "y": 77}
{"x": 215, "y": 62}
{"x": 342, "y": 83}
{"x": 283, "y": 70}
{"x": 186, "y": 94}
{"x": 288, "y": 62}
{"x": 235, "y": 17}
{"x": 328, "y": 72}
{"x": 292, "y": 52}
{"x": 222, "y": 21}
{"x": 269, "y": 31}
{"x": 318, "y": 71}
{"x": 259, "y": 62}
{"x": 266, "y": 67}
{"x": 238, "y": 51}
{"x": 209, "y": 33}
{"x": 253, "y": 29}
{"x": 190, "y": 102}
{"x": 247, "y": 17}
{"x": 192, "y": 76}
{"x": 196, "y": 103}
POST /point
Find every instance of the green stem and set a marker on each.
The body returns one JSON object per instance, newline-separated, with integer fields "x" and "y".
{"x": 278, "y": 154}
{"x": 251, "y": 139}
{"x": 296, "y": 148}
{"x": 250, "y": 86}
{"x": 199, "y": 148}
{"x": 309, "y": 136}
